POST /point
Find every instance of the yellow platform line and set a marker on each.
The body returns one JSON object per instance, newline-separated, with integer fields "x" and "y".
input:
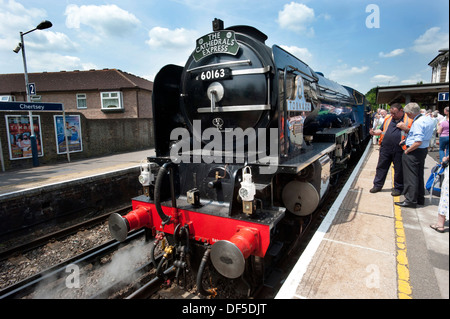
{"x": 403, "y": 280}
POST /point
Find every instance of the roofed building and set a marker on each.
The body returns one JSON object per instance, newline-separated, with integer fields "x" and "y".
{"x": 97, "y": 94}
{"x": 432, "y": 95}
{"x": 107, "y": 111}
{"x": 439, "y": 65}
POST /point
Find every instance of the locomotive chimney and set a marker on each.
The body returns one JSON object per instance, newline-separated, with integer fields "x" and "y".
{"x": 217, "y": 24}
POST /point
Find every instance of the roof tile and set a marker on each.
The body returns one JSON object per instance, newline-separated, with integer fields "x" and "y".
{"x": 106, "y": 79}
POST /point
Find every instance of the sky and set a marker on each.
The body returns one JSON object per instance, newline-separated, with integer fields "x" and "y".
{"x": 358, "y": 43}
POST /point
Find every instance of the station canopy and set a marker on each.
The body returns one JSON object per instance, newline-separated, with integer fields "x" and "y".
{"x": 421, "y": 93}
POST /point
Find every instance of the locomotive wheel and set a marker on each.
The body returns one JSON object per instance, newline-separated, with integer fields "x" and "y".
{"x": 300, "y": 198}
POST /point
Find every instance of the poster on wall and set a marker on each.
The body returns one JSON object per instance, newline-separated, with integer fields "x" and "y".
{"x": 19, "y": 132}
{"x": 72, "y": 129}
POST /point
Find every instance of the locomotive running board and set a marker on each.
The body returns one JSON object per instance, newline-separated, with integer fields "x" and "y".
{"x": 297, "y": 163}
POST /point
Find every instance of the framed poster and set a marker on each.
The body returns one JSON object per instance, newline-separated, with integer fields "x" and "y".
{"x": 72, "y": 129}
{"x": 19, "y": 132}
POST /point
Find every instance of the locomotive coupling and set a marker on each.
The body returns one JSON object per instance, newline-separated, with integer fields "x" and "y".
{"x": 120, "y": 226}
{"x": 228, "y": 256}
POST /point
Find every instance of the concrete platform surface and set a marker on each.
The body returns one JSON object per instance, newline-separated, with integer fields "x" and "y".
{"x": 18, "y": 180}
{"x": 366, "y": 246}
{"x": 369, "y": 248}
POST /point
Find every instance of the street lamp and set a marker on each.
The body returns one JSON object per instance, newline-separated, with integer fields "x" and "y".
{"x": 41, "y": 26}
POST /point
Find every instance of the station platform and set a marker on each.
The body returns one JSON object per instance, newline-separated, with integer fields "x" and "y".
{"x": 369, "y": 248}
{"x": 366, "y": 247}
{"x": 31, "y": 178}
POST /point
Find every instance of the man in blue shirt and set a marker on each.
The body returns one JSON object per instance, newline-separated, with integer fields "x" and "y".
{"x": 413, "y": 159}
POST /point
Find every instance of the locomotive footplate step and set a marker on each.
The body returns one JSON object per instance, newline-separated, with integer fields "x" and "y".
{"x": 299, "y": 162}
{"x": 274, "y": 278}
{"x": 330, "y": 134}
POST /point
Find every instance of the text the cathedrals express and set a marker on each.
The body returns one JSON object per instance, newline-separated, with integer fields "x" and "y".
{"x": 216, "y": 42}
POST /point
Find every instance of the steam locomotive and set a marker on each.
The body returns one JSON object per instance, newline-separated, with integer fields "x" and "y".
{"x": 248, "y": 139}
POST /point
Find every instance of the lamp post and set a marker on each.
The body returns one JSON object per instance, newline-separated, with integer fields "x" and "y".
{"x": 41, "y": 26}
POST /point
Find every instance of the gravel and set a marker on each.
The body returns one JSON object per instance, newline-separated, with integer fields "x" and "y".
{"x": 22, "y": 266}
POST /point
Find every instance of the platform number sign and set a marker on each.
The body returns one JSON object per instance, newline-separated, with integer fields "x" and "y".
{"x": 443, "y": 96}
{"x": 31, "y": 88}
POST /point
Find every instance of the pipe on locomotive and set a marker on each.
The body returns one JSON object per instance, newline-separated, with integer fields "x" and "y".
{"x": 227, "y": 256}
{"x": 158, "y": 183}
{"x": 120, "y": 226}
{"x": 201, "y": 269}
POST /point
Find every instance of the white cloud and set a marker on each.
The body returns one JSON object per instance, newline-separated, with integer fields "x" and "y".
{"x": 301, "y": 53}
{"x": 106, "y": 20}
{"x": 391, "y": 54}
{"x": 297, "y": 17}
{"x": 431, "y": 41}
{"x": 382, "y": 79}
{"x": 42, "y": 46}
{"x": 51, "y": 41}
{"x": 56, "y": 62}
{"x": 345, "y": 71}
{"x": 14, "y": 17}
{"x": 414, "y": 79}
{"x": 168, "y": 46}
{"x": 171, "y": 39}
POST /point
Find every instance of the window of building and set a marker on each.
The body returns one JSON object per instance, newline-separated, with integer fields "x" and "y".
{"x": 7, "y": 98}
{"x": 81, "y": 101}
{"x": 111, "y": 101}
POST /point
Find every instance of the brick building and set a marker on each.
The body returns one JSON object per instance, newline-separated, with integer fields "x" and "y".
{"x": 114, "y": 109}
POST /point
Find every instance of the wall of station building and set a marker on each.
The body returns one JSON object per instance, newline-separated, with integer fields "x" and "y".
{"x": 99, "y": 138}
{"x": 76, "y": 199}
{"x": 136, "y": 103}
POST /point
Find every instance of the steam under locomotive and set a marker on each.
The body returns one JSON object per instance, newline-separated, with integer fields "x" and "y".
{"x": 248, "y": 139}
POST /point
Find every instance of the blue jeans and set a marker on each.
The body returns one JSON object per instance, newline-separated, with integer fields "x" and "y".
{"x": 443, "y": 147}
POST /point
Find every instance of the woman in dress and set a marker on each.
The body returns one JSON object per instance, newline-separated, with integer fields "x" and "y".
{"x": 443, "y": 203}
{"x": 443, "y": 131}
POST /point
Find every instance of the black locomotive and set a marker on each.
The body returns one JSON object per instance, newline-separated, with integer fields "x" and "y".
{"x": 248, "y": 139}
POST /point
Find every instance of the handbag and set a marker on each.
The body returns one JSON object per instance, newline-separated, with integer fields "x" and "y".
{"x": 434, "y": 182}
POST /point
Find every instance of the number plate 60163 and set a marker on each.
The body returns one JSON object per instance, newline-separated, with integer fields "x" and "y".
{"x": 215, "y": 74}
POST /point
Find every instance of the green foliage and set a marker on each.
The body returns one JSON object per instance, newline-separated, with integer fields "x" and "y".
{"x": 371, "y": 97}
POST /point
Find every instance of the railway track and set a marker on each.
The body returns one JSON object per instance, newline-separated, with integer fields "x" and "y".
{"x": 64, "y": 274}
{"x": 58, "y": 234}
{"x": 137, "y": 280}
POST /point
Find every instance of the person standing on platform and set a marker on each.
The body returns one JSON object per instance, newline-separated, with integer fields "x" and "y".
{"x": 391, "y": 134}
{"x": 433, "y": 137}
{"x": 443, "y": 131}
{"x": 378, "y": 122}
{"x": 443, "y": 202}
{"x": 414, "y": 155}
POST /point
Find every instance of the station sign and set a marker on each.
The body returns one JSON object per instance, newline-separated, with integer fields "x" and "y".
{"x": 216, "y": 42}
{"x": 31, "y": 106}
{"x": 443, "y": 96}
{"x": 31, "y": 88}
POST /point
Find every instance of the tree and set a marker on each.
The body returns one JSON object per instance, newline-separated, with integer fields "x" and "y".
{"x": 371, "y": 97}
